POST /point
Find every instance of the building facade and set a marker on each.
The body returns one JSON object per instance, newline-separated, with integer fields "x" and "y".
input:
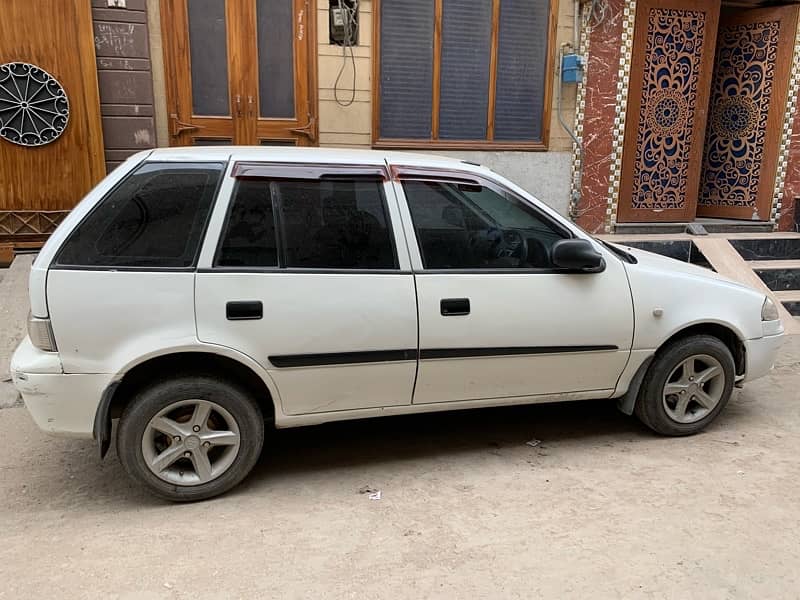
{"x": 666, "y": 110}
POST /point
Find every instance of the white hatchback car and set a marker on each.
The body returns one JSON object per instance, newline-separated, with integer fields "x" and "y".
{"x": 196, "y": 294}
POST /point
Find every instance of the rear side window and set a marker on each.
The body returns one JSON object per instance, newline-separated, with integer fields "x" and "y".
{"x": 321, "y": 224}
{"x": 155, "y": 218}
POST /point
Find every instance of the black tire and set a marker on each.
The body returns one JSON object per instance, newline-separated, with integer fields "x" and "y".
{"x": 650, "y": 407}
{"x": 150, "y": 401}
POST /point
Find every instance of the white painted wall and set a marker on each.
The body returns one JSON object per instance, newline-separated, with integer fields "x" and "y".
{"x": 546, "y": 175}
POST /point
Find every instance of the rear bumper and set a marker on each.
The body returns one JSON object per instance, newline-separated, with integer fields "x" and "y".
{"x": 761, "y": 354}
{"x": 60, "y": 404}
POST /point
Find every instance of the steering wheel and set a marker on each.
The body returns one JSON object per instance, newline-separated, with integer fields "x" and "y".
{"x": 510, "y": 243}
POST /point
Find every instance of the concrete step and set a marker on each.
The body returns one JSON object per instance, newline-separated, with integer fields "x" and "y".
{"x": 711, "y": 226}
{"x": 766, "y": 265}
{"x": 788, "y": 295}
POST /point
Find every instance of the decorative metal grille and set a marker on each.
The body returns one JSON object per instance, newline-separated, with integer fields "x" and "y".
{"x": 675, "y": 40}
{"x": 740, "y": 100}
{"x": 30, "y": 222}
{"x": 34, "y": 108}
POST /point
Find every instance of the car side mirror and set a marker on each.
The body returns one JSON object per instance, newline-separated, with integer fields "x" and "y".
{"x": 577, "y": 255}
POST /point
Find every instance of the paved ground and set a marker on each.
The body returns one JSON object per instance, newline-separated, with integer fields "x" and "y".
{"x": 601, "y": 508}
{"x": 14, "y": 307}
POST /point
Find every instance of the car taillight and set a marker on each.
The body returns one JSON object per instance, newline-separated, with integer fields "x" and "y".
{"x": 41, "y": 333}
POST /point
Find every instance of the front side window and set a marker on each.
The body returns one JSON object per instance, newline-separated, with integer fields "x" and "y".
{"x": 321, "y": 224}
{"x": 470, "y": 226}
{"x": 155, "y": 218}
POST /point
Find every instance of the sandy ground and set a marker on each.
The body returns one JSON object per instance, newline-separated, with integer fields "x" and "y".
{"x": 600, "y": 509}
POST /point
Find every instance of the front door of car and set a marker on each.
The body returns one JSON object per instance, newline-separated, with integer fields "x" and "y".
{"x": 496, "y": 318}
{"x": 307, "y": 281}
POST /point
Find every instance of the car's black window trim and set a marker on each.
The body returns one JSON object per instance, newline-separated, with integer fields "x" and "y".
{"x": 223, "y": 167}
{"x": 280, "y": 236}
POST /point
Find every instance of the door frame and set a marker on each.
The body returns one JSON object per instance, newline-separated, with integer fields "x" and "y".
{"x": 177, "y": 67}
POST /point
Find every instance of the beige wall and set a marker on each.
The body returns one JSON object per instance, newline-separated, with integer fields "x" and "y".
{"x": 352, "y": 125}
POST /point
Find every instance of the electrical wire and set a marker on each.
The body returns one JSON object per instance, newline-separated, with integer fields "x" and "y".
{"x": 597, "y": 10}
{"x": 348, "y": 14}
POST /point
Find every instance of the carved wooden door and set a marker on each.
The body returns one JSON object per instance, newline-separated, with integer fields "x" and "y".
{"x": 51, "y": 139}
{"x": 238, "y": 71}
{"x": 671, "y": 65}
{"x": 748, "y": 101}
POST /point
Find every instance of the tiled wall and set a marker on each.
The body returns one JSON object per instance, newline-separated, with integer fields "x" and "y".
{"x": 603, "y": 102}
{"x": 788, "y": 184}
{"x": 125, "y": 79}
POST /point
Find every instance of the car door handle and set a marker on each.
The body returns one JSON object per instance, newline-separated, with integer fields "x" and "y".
{"x": 244, "y": 310}
{"x": 452, "y": 307}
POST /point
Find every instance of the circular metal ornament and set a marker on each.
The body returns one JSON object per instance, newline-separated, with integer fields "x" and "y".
{"x": 34, "y": 108}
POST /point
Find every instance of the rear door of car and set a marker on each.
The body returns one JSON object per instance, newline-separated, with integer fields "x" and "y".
{"x": 305, "y": 270}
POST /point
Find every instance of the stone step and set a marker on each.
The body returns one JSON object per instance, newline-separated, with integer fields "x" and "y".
{"x": 766, "y": 265}
{"x": 711, "y": 226}
{"x": 768, "y": 248}
{"x": 788, "y": 295}
{"x": 790, "y": 300}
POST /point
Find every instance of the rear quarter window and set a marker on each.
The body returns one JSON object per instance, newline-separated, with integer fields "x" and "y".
{"x": 155, "y": 218}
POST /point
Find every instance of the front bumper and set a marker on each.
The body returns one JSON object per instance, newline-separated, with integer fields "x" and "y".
{"x": 60, "y": 403}
{"x": 760, "y": 355}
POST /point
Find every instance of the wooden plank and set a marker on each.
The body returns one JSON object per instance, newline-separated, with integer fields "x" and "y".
{"x": 376, "y": 70}
{"x": 6, "y": 254}
{"x": 729, "y": 263}
{"x": 437, "y": 66}
{"x": 493, "y": 70}
{"x": 550, "y": 80}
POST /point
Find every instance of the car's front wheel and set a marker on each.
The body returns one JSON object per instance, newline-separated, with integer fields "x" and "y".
{"x": 190, "y": 438}
{"x": 688, "y": 384}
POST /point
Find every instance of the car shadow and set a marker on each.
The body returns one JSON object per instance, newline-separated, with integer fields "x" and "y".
{"x": 365, "y": 442}
{"x": 381, "y": 443}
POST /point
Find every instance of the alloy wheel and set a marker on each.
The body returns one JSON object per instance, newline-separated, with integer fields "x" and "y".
{"x": 694, "y": 388}
{"x": 191, "y": 442}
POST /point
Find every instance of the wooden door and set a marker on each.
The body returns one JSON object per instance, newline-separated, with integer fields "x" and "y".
{"x": 51, "y": 143}
{"x": 238, "y": 71}
{"x": 748, "y": 99}
{"x": 672, "y": 61}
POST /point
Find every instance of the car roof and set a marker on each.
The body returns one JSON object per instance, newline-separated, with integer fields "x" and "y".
{"x": 314, "y": 155}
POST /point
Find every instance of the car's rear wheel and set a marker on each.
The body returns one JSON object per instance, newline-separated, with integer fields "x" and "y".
{"x": 688, "y": 384}
{"x": 190, "y": 438}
